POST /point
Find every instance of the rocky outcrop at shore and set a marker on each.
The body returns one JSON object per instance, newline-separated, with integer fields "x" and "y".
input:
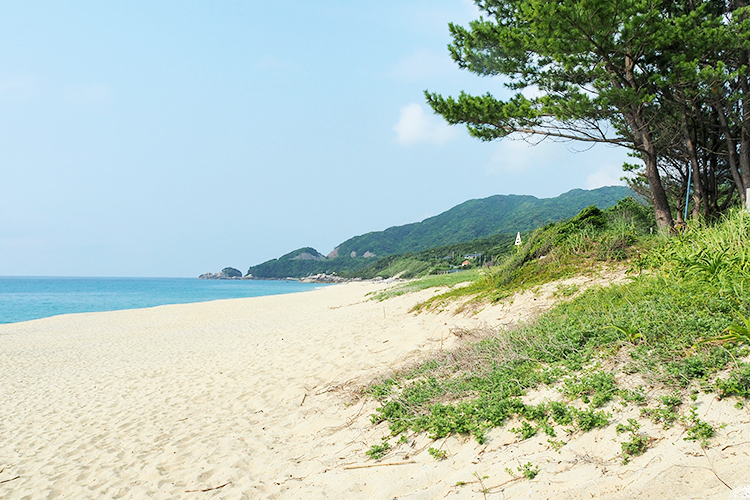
{"x": 228, "y": 273}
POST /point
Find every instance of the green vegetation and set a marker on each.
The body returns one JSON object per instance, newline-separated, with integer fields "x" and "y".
{"x": 557, "y": 251}
{"x": 697, "y": 429}
{"x": 636, "y": 396}
{"x": 230, "y": 272}
{"x": 667, "y": 80}
{"x": 636, "y": 445}
{"x": 683, "y": 290}
{"x": 444, "y": 259}
{"x": 476, "y": 219}
{"x": 378, "y": 451}
{"x": 526, "y": 430}
{"x": 556, "y": 444}
{"x": 597, "y": 387}
{"x": 738, "y": 383}
{"x": 529, "y": 471}
{"x": 736, "y": 333}
{"x": 667, "y": 411}
{"x": 486, "y": 227}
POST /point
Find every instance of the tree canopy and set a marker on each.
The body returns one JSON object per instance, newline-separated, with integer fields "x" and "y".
{"x": 666, "y": 79}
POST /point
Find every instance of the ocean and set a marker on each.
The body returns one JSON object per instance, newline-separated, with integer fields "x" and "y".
{"x": 27, "y": 298}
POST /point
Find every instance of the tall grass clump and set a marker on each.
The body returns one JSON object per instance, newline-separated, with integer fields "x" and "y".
{"x": 667, "y": 322}
{"x": 718, "y": 256}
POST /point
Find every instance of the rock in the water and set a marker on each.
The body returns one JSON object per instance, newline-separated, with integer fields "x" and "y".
{"x": 230, "y": 272}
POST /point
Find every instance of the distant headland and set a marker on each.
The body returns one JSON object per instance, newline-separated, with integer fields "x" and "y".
{"x": 476, "y": 231}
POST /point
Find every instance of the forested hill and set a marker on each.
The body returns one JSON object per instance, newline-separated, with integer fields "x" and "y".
{"x": 481, "y": 218}
{"x": 469, "y": 221}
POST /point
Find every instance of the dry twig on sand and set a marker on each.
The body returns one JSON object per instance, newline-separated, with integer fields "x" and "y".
{"x": 208, "y": 489}
{"x": 367, "y": 466}
{"x": 712, "y": 468}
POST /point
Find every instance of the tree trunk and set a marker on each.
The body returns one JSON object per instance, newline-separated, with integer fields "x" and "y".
{"x": 745, "y": 132}
{"x": 731, "y": 152}
{"x": 644, "y": 143}
{"x": 662, "y": 211}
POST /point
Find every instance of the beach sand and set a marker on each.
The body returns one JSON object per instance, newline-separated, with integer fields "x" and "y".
{"x": 259, "y": 398}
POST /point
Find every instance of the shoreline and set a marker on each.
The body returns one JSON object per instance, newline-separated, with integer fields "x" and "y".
{"x": 29, "y": 298}
{"x": 259, "y": 398}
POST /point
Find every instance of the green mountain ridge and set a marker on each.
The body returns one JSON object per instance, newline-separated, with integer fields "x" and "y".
{"x": 471, "y": 220}
{"x": 480, "y": 218}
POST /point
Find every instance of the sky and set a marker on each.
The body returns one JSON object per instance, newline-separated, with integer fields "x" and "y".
{"x": 173, "y": 138}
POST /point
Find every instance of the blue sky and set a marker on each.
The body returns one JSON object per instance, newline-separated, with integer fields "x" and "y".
{"x": 174, "y": 138}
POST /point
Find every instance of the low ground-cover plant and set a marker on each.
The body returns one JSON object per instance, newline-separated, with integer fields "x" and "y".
{"x": 697, "y": 429}
{"x": 378, "y": 451}
{"x": 667, "y": 412}
{"x": 438, "y": 454}
{"x": 662, "y": 315}
{"x": 634, "y": 396}
{"x": 637, "y": 443}
{"x": 526, "y": 430}
{"x": 738, "y": 383}
{"x": 529, "y": 470}
{"x": 597, "y": 387}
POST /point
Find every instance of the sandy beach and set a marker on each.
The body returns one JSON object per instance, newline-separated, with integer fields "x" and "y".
{"x": 259, "y": 398}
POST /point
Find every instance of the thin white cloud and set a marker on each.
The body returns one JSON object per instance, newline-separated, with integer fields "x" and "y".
{"x": 415, "y": 126}
{"x": 609, "y": 175}
{"x": 517, "y": 156}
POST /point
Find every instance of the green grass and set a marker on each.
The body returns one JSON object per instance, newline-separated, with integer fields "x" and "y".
{"x": 684, "y": 290}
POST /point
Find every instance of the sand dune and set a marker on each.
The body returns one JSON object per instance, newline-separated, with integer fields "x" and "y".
{"x": 256, "y": 398}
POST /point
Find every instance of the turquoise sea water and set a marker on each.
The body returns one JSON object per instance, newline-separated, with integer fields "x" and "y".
{"x": 26, "y": 298}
